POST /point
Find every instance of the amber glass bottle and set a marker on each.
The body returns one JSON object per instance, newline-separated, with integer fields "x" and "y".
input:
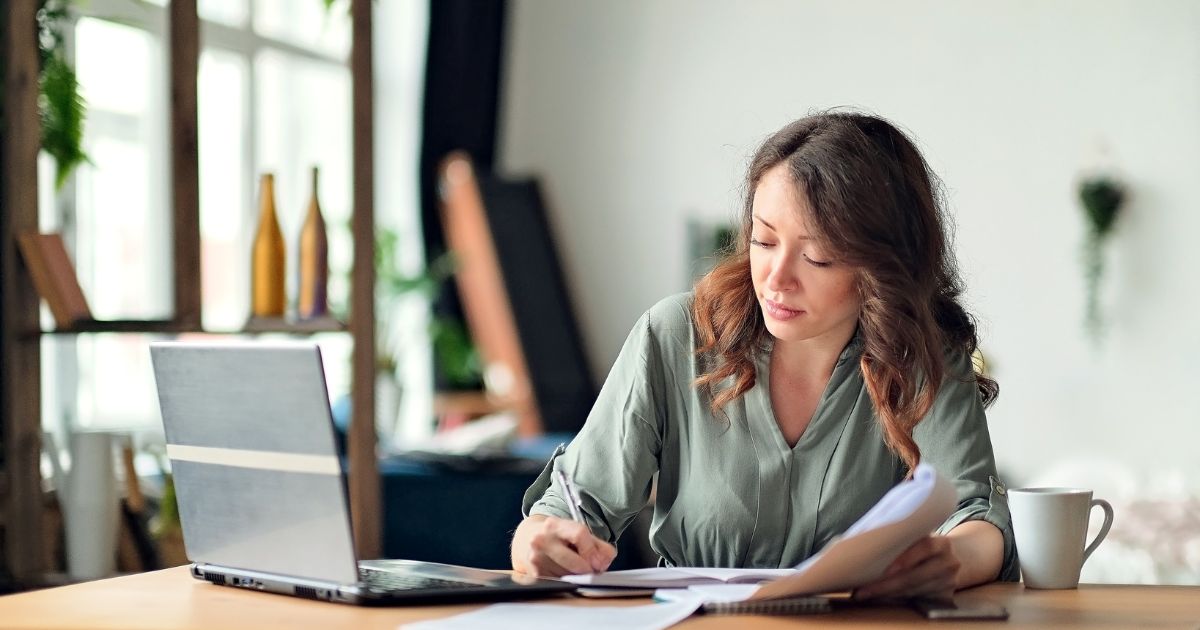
{"x": 314, "y": 261}
{"x": 268, "y": 260}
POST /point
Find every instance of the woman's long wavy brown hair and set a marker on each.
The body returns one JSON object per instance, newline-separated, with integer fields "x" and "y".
{"x": 876, "y": 207}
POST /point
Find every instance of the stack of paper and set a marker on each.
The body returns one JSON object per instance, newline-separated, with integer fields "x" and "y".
{"x": 906, "y": 514}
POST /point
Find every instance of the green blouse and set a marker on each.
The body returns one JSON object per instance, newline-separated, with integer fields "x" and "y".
{"x": 731, "y": 492}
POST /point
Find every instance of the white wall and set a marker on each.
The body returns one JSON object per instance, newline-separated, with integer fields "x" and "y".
{"x": 638, "y": 115}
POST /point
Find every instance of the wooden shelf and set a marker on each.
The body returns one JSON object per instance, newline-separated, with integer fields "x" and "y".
{"x": 120, "y": 326}
{"x": 166, "y": 326}
{"x": 301, "y": 326}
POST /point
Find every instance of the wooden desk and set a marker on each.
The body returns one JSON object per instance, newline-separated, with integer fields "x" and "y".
{"x": 172, "y": 599}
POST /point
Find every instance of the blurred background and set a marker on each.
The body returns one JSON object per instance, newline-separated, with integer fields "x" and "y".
{"x": 641, "y": 116}
{"x": 633, "y": 123}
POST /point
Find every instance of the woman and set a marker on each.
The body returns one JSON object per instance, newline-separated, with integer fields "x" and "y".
{"x": 807, "y": 374}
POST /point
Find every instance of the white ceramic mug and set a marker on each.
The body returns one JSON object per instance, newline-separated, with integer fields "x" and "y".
{"x": 1050, "y": 526}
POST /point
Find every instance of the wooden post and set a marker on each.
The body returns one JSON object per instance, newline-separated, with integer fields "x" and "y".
{"x": 365, "y": 499}
{"x": 185, "y": 161}
{"x": 20, "y": 378}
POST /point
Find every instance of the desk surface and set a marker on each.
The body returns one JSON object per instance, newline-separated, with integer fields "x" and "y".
{"x": 172, "y": 599}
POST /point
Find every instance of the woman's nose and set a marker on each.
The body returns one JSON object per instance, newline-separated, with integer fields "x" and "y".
{"x": 780, "y": 278}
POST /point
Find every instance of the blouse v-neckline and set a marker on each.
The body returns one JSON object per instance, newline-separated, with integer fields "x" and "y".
{"x": 820, "y": 412}
{"x": 791, "y": 478}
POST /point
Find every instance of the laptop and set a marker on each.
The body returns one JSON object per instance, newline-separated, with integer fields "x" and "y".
{"x": 261, "y": 490}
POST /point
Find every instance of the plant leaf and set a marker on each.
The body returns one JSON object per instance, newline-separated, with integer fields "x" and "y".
{"x": 63, "y": 112}
{"x": 456, "y": 353}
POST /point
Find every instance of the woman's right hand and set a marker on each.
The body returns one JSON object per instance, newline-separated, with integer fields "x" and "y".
{"x": 546, "y": 546}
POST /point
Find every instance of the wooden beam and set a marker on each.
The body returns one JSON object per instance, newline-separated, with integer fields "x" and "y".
{"x": 20, "y": 377}
{"x": 365, "y": 498}
{"x": 482, "y": 289}
{"x": 185, "y": 160}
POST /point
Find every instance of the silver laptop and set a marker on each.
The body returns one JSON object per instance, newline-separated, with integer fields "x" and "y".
{"x": 260, "y": 486}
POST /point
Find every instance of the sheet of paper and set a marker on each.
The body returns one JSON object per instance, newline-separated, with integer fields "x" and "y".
{"x": 707, "y": 593}
{"x": 654, "y": 577}
{"x": 907, "y": 513}
{"x": 557, "y": 617}
{"x": 676, "y": 576}
{"x": 733, "y": 576}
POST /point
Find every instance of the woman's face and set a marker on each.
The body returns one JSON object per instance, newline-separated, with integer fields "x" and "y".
{"x": 804, "y": 292}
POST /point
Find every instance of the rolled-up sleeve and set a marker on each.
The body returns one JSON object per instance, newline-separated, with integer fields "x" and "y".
{"x": 613, "y": 459}
{"x": 954, "y": 439}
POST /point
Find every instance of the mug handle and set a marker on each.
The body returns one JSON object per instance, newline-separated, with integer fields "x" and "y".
{"x": 1108, "y": 520}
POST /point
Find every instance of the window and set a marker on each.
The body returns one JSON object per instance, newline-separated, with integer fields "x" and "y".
{"x": 113, "y": 212}
{"x": 274, "y": 95}
{"x": 269, "y": 102}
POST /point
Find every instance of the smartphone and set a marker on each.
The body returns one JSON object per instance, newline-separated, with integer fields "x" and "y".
{"x": 948, "y": 609}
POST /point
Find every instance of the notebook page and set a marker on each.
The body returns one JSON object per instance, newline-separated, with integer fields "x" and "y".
{"x": 669, "y": 577}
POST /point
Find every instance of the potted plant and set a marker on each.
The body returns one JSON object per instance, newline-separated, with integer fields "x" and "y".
{"x": 456, "y": 358}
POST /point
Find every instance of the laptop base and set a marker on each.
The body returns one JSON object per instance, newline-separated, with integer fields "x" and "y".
{"x": 478, "y": 586}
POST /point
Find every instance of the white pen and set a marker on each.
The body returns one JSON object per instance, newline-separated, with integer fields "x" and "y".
{"x": 572, "y": 497}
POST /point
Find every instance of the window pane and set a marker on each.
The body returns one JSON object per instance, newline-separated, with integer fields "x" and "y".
{"x": 123, "y": 211}
{"x": 226, "y": 218}
{"x": 306, "y": 23}
{"x": 121, "y": 223}
{"x": 303, "y": 120}
{"x": 113, "y": 63}
{"x": 230, "y": 12}
{"x": 116, "y": 382}
{"x": 47, "y": 212}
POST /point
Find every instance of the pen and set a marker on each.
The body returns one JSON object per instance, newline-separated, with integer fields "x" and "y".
{"x": 572, "y": 497}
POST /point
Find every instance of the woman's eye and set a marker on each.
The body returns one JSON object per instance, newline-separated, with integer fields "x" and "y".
{"x": 817, "y": 263}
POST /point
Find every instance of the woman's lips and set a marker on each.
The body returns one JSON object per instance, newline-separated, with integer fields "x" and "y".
{"x": 781, "y": 312}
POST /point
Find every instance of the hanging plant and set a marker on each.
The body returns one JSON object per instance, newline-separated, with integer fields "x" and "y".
{"x": 1101, "y": 197}
{"x": 62, "y": 107}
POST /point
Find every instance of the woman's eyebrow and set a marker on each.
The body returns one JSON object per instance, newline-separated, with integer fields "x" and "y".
{"x": 803, "y": 237}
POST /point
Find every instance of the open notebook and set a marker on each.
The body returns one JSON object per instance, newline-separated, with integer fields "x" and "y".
{"x": 908, "y": 512}
{"x": 678, "y": 577}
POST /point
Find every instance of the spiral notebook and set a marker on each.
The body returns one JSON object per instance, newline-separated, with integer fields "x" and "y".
{"x": 730, "y": 599}
{"x": 784, "y": 606}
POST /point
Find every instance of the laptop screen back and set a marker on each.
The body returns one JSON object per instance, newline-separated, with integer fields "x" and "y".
{"x": 257, "y": 476}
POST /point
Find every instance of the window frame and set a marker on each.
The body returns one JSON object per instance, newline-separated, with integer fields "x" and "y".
{"x": 66, "y": 400}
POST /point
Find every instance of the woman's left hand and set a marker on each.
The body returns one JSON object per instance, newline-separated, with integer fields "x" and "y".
{"x": 929, "y": 568}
